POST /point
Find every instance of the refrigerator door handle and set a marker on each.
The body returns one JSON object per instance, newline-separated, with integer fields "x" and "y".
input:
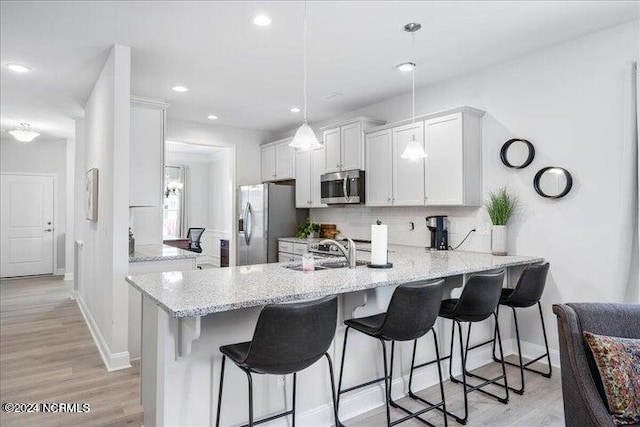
{"x": 248, "y": 224}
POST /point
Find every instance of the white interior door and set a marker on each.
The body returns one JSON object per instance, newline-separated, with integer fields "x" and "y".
{"x": 26, "y": 225}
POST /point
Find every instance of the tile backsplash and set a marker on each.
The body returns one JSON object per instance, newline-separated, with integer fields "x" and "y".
{"x": 355, "y": 222}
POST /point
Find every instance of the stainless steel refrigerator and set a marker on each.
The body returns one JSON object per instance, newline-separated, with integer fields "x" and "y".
{"x": 266, "y": 212}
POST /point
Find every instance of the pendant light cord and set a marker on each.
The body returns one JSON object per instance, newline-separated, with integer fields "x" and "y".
{"x": 413, "y": 80}
{"x": 304, "y": 55}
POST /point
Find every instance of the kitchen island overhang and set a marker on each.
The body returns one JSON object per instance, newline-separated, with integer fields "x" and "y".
{"x": 187, "y": 315}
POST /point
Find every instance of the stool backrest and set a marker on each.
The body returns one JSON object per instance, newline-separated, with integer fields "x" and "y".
{"x": 480, "y": 296}
{"x": 413, "y": 310}
{"x": 530, "y": 285}
{"x": 292, "y": 337}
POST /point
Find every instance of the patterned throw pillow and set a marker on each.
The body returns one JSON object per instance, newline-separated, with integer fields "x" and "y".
{"x": 618, "y": 361}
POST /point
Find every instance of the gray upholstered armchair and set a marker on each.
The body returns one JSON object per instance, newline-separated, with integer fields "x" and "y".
{"x": 582, "y": 390}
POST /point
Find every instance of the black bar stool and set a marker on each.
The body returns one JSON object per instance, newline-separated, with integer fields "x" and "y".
{"x": 478, "y": 302}
{"x": 288, "y": 338}
{"x": 527, "y": 293}
{"x": 412, "y": 313}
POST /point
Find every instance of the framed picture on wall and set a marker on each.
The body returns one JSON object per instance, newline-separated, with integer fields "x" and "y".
{"x": 91, "y": 194}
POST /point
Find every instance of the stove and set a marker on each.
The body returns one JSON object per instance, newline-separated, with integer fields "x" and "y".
{"x": 328, "y": 249}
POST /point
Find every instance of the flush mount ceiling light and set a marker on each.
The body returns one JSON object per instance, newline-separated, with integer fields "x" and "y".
{"x": 305, "y": 138}
{"x": 406, "y": 66}
{"x": 18, "y": 68}
{"x": 23, "y": 133}
{"x": 180, "y": 89}
{"x": 414, "y": 149}
{"x": 294, "y": 109}
{"x": 262, "y": 20}
{"x": 212, "y": 117}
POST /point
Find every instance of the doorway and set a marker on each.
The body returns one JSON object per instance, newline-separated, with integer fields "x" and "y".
{"x": 27, "y": 224}
{"x": 198, "y": 193}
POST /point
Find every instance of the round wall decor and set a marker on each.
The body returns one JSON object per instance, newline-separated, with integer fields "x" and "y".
{"x": 517, "y": 153}
{"x": 553, "y": 182}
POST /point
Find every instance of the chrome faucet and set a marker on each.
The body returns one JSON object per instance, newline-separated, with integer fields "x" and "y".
{"x": 349, "y": 254}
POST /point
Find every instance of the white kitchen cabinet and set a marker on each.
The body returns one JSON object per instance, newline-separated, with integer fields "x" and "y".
{"x": 309, "y": 167}
{"x": 408, "y": 175}
{"x": 344, "y": 144}
{"x": 268, "y": 165}
{"x": 303, "y": 179}
{"x": 146, "y": 152}
{"x": 453, "y": 168}
{"x": 277, "y": 161}
{"x": 451, "y": 175}
{"x": 291, "y": 251}
{"x": 318, "y": 167}
{"x": 379, "y": 153}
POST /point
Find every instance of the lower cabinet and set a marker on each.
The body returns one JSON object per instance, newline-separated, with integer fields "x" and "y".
{"x": 291, "y": 251}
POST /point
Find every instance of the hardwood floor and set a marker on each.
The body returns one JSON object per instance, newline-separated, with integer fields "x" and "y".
{"x": 541, "y": 404}
{"x": 47, "y": 355}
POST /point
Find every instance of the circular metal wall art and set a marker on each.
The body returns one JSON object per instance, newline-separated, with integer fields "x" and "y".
{"x": 517, "y": 153}
{"x": 553, "y": 182}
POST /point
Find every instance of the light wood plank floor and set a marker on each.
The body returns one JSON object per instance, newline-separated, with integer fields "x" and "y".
{"x": 47, "y": 355}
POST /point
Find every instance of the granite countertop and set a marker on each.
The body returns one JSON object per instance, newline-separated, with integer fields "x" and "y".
{"x": 200, "y": 292}
{"x": 299, "y": 240}
{"x": 145, "y": 253}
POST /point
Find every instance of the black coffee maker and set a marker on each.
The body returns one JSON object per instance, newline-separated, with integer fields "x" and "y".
{"x": 437, "y": 225}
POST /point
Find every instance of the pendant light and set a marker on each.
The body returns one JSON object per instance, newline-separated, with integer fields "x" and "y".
{"x": 305, "y": 138}
{"x": 414, "y": 149}
{"x": 23, "y": 133}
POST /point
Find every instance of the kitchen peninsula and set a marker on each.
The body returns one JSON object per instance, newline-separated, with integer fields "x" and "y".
{"x": 187, "y": 315}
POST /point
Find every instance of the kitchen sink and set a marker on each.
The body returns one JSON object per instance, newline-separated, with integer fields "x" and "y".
{"x": 325, "y": 266}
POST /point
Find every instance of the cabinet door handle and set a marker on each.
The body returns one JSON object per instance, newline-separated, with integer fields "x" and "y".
{"x": 338, "y": 165}
{"x": 388, "y": 199}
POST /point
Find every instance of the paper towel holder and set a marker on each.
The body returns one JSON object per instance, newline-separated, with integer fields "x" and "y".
{"x": 387, "y": 264}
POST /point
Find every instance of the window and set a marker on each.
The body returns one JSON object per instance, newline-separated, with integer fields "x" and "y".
{"x": 172, "y": 198}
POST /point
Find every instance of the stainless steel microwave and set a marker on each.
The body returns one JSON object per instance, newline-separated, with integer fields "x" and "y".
{"x": 340, "y": 188}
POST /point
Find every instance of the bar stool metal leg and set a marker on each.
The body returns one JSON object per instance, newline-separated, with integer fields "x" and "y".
{"x": 344, "y": 352}
{"x": 250, "y": 381}
{"x": 525, "y": 366}
{"x": 224, "y": 359}
{"x": 293, "y": 401}
{"x": 333, "y": 390}
{"x": 387, "y": 387}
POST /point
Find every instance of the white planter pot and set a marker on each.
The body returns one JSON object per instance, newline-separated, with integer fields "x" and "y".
{"x": 499, "y": 240}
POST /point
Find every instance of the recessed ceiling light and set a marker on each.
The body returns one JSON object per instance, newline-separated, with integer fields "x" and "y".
{"x": 262, "y": 20}
{"x": 294, "y": 109}
{"x": 406, "y": 66}
{"x": 180, "y": 89}
{"x": 18, "y": 68}
{"x": 212, "y": 117}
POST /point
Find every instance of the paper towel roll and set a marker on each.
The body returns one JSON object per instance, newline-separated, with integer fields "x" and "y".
{"x": 378, "y": 244}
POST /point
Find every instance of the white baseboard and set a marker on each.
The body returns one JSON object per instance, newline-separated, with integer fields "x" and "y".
{"x": 112, "y": 361}
{"x": 59, "y": 272}
{"x": 68, "y": 276}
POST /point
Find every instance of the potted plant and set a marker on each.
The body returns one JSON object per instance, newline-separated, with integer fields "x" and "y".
{"x": 500, "y": 206}
{"x": 308, "y": 229}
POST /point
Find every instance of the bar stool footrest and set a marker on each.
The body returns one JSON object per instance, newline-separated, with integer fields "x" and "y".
{"x": 270, "y": 418}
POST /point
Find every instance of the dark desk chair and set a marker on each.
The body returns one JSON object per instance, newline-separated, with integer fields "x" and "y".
{"x": 527, "y": 293}
{"x": 288, "y": 338}
{"x": 412, "y": 313}
{"x": 478, "y": 302}
{"x": 194, "y": 235}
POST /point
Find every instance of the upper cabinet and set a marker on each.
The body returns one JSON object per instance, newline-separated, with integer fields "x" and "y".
{"x": 146, "y": 151}
{"x": 451, "y": 175}
{"x": 278, "y": 161}
{"x": 344, "y": 144}
{"x": 310, "y": 165}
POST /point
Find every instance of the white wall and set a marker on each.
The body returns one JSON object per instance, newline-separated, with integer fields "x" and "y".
{"x": 103, "y": 293}
{"x": 42, "y": 156}
{"x": 568, "y": 101}
{"x": 246, "y": 141}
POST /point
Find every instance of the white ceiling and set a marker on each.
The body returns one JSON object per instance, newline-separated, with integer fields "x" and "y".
{"x": 250, "y": 76}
